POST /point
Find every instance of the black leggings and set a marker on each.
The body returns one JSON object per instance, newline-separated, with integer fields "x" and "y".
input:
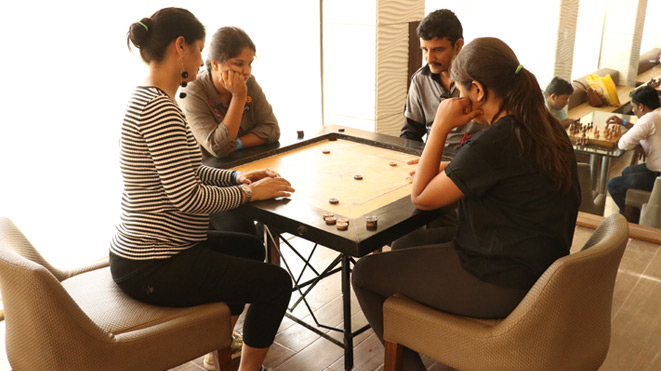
{"x": 227, "y": 267}
{"x": 433, "y": 276}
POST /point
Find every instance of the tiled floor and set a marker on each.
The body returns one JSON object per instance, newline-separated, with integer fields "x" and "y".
{"x": 636, "y": 325}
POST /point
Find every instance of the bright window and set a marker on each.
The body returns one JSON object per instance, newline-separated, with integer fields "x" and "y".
{"x": 67, "y": 78}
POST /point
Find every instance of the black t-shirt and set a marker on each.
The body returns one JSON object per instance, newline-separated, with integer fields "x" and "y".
{"x": 512, "y": 224}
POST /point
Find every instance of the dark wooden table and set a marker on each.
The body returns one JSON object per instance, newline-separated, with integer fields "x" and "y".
{"x": 301, "y": 215}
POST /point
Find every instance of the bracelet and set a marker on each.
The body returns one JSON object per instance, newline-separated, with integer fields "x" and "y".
{"x": 239, "y": 144}
{"x": 246, "y": 191}
{"x": 624, "y": 123}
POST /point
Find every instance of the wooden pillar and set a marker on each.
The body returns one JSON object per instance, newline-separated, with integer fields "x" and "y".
{"x": 415, "y": 54}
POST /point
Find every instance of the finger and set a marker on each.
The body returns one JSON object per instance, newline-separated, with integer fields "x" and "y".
{"x": 413, "y": 162}
{"x": 287, "y": 189}
{"x": 282, "y": 181}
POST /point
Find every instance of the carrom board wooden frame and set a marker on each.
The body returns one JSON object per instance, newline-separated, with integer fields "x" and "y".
{"x": 301, "y": 215}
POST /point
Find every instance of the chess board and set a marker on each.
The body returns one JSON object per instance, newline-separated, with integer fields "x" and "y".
{"x": 595, "y": 133}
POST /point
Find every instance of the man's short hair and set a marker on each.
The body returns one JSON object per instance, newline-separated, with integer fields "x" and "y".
{"x": 646, "y": 95}
{"x": 442, "y": 23}
{"x": 559, "y": 86}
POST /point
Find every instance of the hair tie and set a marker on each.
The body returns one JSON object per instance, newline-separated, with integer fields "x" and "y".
{"x": 518, "y": 69}
{"x": 143, "y": 25}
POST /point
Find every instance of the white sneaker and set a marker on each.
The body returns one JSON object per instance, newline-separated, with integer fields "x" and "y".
{"x": 237, "y": 344}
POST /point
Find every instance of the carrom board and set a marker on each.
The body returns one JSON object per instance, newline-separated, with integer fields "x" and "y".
{"x": 318, "y": 176}
{"x": 384, "y": 191}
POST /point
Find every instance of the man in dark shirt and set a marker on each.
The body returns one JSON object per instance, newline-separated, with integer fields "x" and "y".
{"x": 441, "y": 39}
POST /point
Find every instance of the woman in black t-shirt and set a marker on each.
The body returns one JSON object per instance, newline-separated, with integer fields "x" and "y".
{"x": 517, "y": 187}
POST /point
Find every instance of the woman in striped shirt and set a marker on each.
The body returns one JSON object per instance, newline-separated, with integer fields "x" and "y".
{"x": 163, "y": 252}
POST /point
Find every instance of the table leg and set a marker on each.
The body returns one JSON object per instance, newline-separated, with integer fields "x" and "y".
{"x": 594, "y": 170}
{"x": 346, "y": 301}
{"x": 271, "y": 241}
{"x": 603, "y": 178}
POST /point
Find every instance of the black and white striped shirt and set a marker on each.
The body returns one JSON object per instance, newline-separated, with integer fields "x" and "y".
{"x": 168, "y": 194}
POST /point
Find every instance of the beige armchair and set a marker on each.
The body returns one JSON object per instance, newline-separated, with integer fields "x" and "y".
{"x": 80, "y": 320}
{"x": 650, "y": 212}
{"x": 638, "y": 200}
{"x": 591, "y": 201}
{"x": 563, "y": 323}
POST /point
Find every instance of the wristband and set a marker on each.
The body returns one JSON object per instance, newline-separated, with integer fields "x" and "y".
{"x": 239, "y": 145}
{"x": 235, "y": 176}
{"x": 624, "y": 123}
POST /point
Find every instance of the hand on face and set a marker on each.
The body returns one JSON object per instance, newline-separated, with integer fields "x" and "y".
{"x": 234, "y": 82}
{"x": 454, "y": 112}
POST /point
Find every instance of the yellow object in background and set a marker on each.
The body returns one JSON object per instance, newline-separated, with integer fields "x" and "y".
{"x": 606, "y": 86}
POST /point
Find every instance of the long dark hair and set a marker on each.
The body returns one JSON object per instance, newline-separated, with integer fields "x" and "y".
{"x": 153, "y": 35}
{"x": 493, "y": 64}
{"x": 228, "y": 42}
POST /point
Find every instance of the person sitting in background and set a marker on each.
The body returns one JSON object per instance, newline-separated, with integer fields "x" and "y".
{"x": 557, "y": 96}
{"x": 518, "y": 192}
{"x": 441, "y": 38}
{"x": 646, "y": 133}
{"x": 227, "y": 110}
{"x": 225, "y": 106}
{"x": 163, "y": 252}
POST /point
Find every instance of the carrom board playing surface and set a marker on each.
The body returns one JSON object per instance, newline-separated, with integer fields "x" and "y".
{"x": 318, "y": 176}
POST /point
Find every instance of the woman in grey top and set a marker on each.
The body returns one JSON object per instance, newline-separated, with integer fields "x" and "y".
{"x": 225, "y": 107}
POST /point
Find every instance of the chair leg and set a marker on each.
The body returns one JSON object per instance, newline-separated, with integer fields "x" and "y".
{"x": 393, "y": 357}
{"x": 222, "y": 359}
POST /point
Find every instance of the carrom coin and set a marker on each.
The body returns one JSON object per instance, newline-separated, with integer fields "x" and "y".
{"x": 371, "y": 222}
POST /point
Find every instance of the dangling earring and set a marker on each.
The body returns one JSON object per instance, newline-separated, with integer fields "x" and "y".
{"x": 184, "y": 75}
